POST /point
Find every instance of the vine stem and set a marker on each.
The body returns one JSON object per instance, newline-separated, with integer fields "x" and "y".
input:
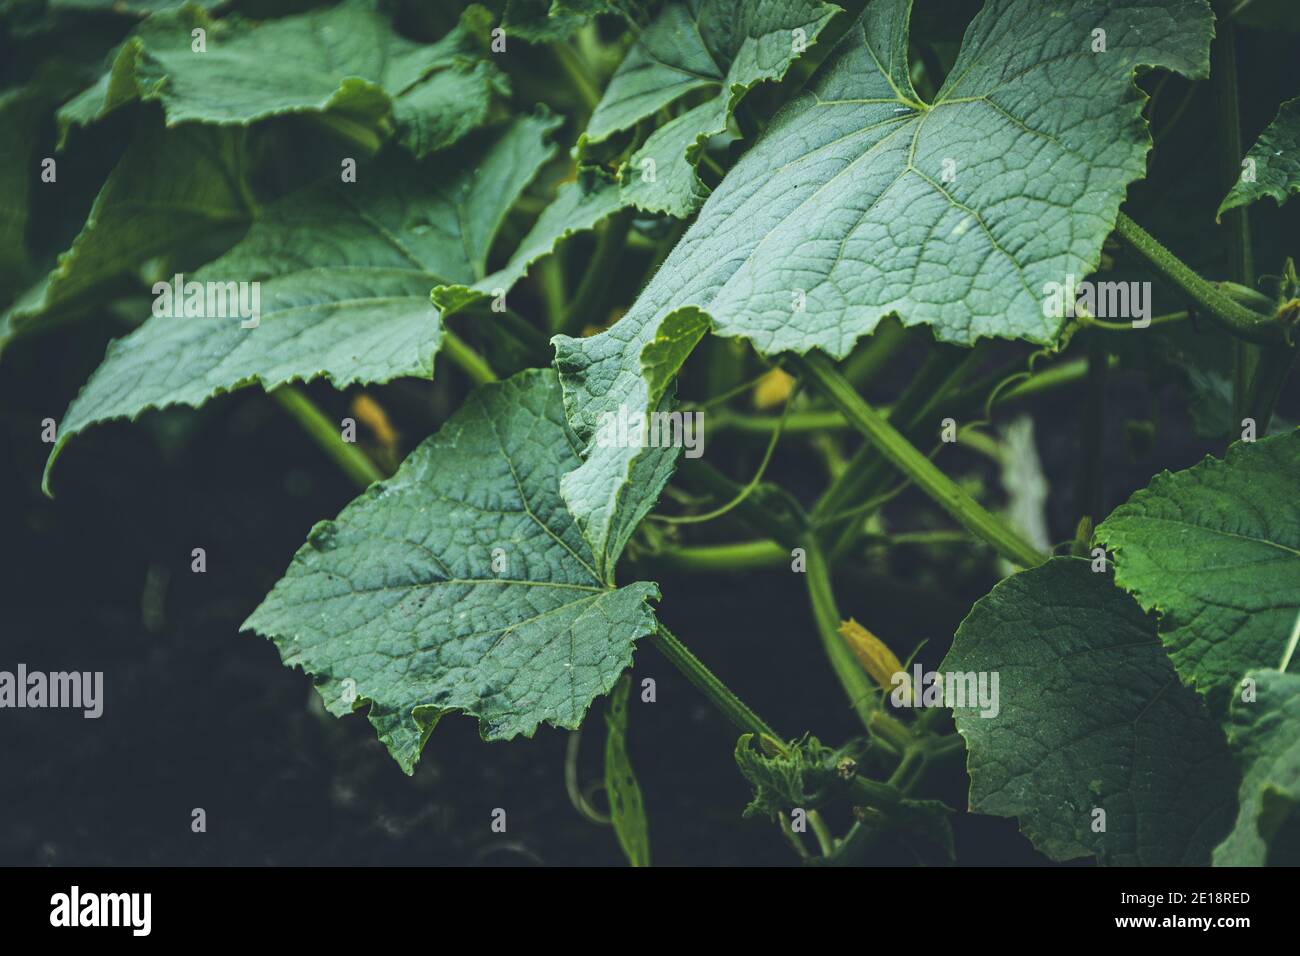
{"x": 868, "y": 475}
{"x": 1223, "y": 79}
{"x": 356, "y": 464}
{"x": 737, "y": 556}
{"x": 854, "y": 680}
{"x": 576, "y": 70}
{"x": 468, "y": 360}
{"x": 584, "y": 308}
{"x": 813, "y": 421}
{"x": 1236, "y": 319}
{"x": 731, "y": 706}
{"x": 915, "y": 465}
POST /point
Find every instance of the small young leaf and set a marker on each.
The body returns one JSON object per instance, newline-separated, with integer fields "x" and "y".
{"x": 462, "y": 583}
{"x": 806, "y": 775}
{"x": 1091, "y": 719}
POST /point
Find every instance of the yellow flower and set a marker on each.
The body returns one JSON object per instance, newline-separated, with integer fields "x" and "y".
{"x": 371, "y": 414}
{"x": 872, "y": 653}
{"x": 772, "y": 389}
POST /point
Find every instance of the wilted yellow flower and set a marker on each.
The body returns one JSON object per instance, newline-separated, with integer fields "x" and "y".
{"x": 371, "y": 414}
{"x": 872, "y": 653}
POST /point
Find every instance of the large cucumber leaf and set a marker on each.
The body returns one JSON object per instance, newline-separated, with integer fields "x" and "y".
{"x": 344, "y": 272}
{"x": 1215, "y": 549}
{"x": 462, "y": 583}
{"x": 1091, "y": 717}
{"x": 839, "y": 215}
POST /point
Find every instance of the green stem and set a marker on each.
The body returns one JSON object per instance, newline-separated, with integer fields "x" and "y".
{"x": 584, "y": 308}
{"x": 1236, "y": 319}
{"x": 797, "y": 423}
{"x": 357, "y": 132}
{"x": 576, "y": 797}
{"x": 974, "y": 397}
{"x": 1266, "y": 385}
{"x": 355, "y": 463}
{"x": 879, "y": 351}
{"x": 913, "y": 463}
{"x": 816, "y": 421}
{"x": 822, "y": 832}
{"x": 868, "y": 474}
{"x": 744, "y": 492}
{"x": 550, "y": 276}
{"x": 1088, "y": 321}
{"x": 578, "y": 75}
{"x": 469, "y": 361}
{"x": 717, "y": 692}
{"x": 527, "y": 334}
{"x": 1223, "y": 78}
{"x": 861, "y": 692}
{"x": 1091, "y": 464}
{"x": 892, "y": 731}
{"x": 740, "y": 556}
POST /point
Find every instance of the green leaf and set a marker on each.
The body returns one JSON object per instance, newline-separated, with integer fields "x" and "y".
{"x": 578, "y": 206}
{"x": 1274, "y": 162}
{"x": 20, "y": 116}
{"x": 1091, "y": 716}
{"x": 553, "y": 21}
{"x": 596, "y": 490}
{"x": 626, "y": 808}
{"x": 546, "y": 21}
{"x": 1264, "y": 733}
{"x": 1215, "y": 549}
{"x": 842, "y": 197}
{"x": 132, "y": 7}
{"x": 344, "y": 272}
{"x": 805, "y": 775}
{"x": 170, "y": 189}
{"x": 345, "y": 61}
{"x": 713, "y": 48}
{"x": 405, "y": 602}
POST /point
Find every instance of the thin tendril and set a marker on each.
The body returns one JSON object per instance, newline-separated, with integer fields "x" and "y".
{"x": 753, "y": 482}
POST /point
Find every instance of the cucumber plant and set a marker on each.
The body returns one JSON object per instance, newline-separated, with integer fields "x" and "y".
{"x": 660, "y": 253}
